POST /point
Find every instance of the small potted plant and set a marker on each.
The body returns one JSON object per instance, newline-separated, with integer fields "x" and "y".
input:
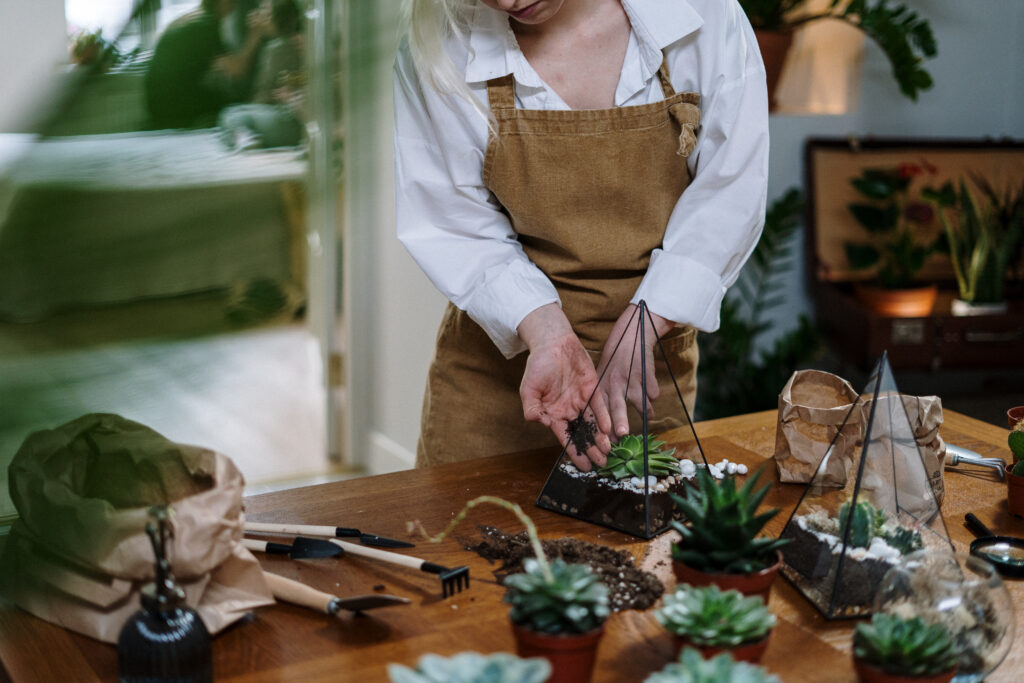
{"x": 626, "y": 459}
{"x": 692, "y": 668}
{"x": 472, "y": 667}
{"x": 899, "y": 227}
{"x": 1015, "y": 471}
{"x": 715, "y": 621}
{"x": 890, "y": 649}
{"x": 719, "y": 542}
{"x": 558, "y": 609}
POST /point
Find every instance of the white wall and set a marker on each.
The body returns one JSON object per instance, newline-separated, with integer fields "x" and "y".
{"x": 33, "y": 47}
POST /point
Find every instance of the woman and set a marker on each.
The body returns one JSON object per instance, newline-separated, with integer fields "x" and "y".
{"x": 542, "y": 152}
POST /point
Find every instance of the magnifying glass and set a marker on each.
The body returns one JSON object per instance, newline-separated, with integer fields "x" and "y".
{"x": 1006, "y": 553}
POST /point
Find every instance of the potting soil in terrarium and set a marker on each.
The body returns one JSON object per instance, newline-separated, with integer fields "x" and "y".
{"x": 858, "y": 518}
{"x": 631, "y": 493}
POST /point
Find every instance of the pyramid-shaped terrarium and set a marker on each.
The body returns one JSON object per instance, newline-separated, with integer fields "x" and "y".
{"x": 632, "y": 492}
{"x": 864, "y": 510}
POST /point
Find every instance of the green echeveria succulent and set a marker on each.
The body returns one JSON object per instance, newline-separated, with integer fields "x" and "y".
{"x": 723, "y": 524}
{"x": 710, "y": 617}
{"x": 692, "y": 668}
{"x": 574, "y": 601}
{"x": 626, "y": 458}
{"x": 472, "y": 667}
{"x": 1018, "y": 468}
{"x": 1016, "y": 441}
{"x": 904, "y": 647}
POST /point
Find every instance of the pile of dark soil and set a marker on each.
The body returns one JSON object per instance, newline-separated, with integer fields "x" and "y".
{"x": 628, "y": 586}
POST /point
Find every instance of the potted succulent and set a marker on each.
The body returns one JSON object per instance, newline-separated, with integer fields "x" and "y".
{"x": 558, "y": 609}
{"x": 715, "y": 621}
{"x": 891, "y": 649}
{"x": 719, "y": 542}
{"x": 898, "y": 226}
{"x": 626, "y": 459}
{"x": 981, "y": 240}
{"x": 692, "y": 668}
{"x": 472, "y": 667}
{"x": 1015, "y": 471}
{"x": 904, "y": 37}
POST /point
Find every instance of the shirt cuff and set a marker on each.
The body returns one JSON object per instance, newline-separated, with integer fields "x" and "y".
{"x": 682, "y": 290}
{"x": 507, "y": 295}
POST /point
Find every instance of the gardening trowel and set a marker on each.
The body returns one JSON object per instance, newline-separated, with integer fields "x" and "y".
{"x": 325, "y": 532}
{"x": 300, "y": 549}
{"x": 297, "y": 593}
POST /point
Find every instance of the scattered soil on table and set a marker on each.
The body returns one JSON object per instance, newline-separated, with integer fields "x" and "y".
{"x": 628, "y": 586}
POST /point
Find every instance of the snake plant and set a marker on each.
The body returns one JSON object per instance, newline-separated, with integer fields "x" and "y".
{"x": 571, "y": 600}
{"x": 904, "y": 647}
{"x": 692, "y": 668}
{"x": 710, "y": 617}
{"x": 471, "y": 667}
{"x": 626, "y": 458}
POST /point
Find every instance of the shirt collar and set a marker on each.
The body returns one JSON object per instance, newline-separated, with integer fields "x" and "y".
{"x": 494, "y": 52}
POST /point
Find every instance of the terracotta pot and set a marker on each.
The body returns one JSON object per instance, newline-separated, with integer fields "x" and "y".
{"x": 898, "y": 303}
{"x": 1014, "y": 415}
{"x": 745, "y": 652}
{"x": 572, "y": 656}
{"x": 1014, "y": 493}
{"x": 774, "y": 50}
{"x": 759, "y": 584}
{"x": 866, "y": 673}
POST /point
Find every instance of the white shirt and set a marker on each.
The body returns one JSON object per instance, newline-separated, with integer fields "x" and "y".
{"x": 455, "y": 229}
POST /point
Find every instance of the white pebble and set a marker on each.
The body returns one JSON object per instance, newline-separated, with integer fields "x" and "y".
{"x": 731, "y": 468}
{"x": 637, "y": 482}
{"x": 724, "y": 462}
{"x": 651, "y": 480}
{"x": 659, "y": 487}
{"x": 687, "y": 468}
{"x": 741, "y": 469}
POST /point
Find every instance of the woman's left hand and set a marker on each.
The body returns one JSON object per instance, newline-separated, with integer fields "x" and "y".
{"x": 619, "y": 369}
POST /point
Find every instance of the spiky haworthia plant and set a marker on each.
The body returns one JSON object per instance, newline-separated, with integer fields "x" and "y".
{"x": 626, "y": 458}
{"x": 722, "y": 526}
{"x": 471, "y": 667}
{"x": 710, "y": 617}
{"x": 904, "y": 647}
{"x": 692, "y": 668}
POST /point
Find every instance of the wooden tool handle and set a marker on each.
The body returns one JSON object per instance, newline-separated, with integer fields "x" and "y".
{"x": 298, "y": 593}
{"x": 382, "y": 555}
{"x": 266, "y": 546}
{"x": 292, "y": 529}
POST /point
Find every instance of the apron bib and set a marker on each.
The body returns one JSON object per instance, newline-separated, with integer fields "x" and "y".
{"x": 589, "y": 193}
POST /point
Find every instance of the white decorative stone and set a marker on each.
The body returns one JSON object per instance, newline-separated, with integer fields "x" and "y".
{"x": 731, "y": 468}
{"x": 741, "y": 469}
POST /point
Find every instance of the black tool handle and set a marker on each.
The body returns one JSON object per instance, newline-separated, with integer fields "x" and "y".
{"x": 976, "y": 526}
{"x": 346, "y": 532}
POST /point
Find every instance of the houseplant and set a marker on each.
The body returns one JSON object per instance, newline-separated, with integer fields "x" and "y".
{"x": 890, "y": 649}
{"x": 897, "y": 224}
{"x": 981, "y": 238}
{"x": 471, "y": 667}
{"x": 719, "y": 544}
{"x": 1015, "y": 471}
{"x": 715, "y": 621}
{"x": 904, "y": 37}
{"x": 626, "y": 459}
{"x": 558, "y": 609}
{"x": 692, "y": 668}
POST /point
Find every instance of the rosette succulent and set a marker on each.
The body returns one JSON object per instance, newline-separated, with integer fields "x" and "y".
{"x": 471, "y": 667}
{"x": 904, "y": 647}
{"x": 569, "y": 598}
{"x": 626, "y": 458}
{"x": 692, "y": 668}
{"x": 710, "y": 617}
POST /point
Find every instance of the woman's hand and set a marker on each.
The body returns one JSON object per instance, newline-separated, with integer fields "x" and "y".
{"x": 621, "y": 367}
{"x": 558, "y": 380}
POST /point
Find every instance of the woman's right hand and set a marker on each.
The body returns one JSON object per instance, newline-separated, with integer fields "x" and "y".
{"x": 558, "y": 381}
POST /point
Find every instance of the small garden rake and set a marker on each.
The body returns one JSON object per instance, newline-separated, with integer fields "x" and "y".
{"x": 453, "y": 580}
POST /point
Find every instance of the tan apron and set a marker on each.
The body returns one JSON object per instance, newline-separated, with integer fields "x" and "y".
{"x": 589, "y": 193}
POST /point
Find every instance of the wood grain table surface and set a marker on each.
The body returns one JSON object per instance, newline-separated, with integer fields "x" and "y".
{"x": 287, "y": 643}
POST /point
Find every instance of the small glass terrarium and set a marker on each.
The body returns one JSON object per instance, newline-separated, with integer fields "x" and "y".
{"x": 862, "y": 514}
{"x": 631, "y": 493}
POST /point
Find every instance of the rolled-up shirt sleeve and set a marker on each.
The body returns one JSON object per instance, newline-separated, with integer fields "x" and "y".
{"x": 448, "y": 221}
{"x": 718, "y": 219}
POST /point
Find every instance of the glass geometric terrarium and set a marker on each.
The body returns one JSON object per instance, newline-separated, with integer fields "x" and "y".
{"x": 864, "y": 509}
{"x": 631, "y": 493}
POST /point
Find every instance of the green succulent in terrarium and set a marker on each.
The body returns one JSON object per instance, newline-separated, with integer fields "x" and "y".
{"x": 721, "y": 533}
{"x": 905, "y": 647}
{"x": 710, "y": 617}
{"x": 868, "y": 522}
{"x": 569, "y": 599}
{"x": 626, "y": 458}
{"x": 692, "y": 668}
{"x": 472, "y": 667}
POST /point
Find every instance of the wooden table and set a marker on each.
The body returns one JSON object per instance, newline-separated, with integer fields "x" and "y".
{"x": 282, "y": 642}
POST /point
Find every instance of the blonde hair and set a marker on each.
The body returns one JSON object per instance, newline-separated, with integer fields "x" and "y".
{"x": 431, "y": 24}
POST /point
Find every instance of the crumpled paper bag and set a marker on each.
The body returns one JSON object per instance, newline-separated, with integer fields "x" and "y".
{"x": 78, "y": 555}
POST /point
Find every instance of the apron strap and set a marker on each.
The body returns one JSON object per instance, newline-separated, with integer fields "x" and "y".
{"x": 501, "y": 93}
{"x": 666, "y": 84}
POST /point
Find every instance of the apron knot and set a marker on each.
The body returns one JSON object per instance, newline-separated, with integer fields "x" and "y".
{"x": 687, "y": 115}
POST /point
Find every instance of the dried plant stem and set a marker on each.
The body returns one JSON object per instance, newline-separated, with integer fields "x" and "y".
{"x": 514, "y": 508}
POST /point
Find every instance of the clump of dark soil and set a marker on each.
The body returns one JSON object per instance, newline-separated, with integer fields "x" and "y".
{"x": 581, "y": 433}
{"x": 628, "y": 586}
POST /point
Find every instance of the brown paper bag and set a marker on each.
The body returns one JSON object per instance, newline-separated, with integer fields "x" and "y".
{"x": 814, "y": 414}
{"x": 78, "y": 555}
